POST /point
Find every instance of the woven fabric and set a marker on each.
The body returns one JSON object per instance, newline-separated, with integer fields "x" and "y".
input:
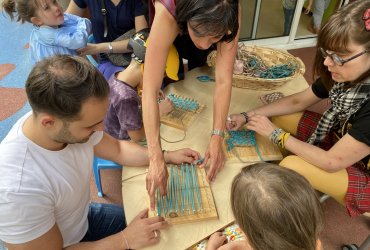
{"x": 240, "y": 138}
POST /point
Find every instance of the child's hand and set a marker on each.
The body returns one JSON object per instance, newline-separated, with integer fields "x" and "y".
{"x": 161, "y": 95}
{"x": 215, "y": 241}
{"x": 165, "y": 107}
{"x": 308, "y": 9}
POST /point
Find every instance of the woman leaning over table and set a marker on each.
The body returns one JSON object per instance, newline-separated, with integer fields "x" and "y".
{"x": 207, "y": 23}
{"x": 332, "y": 150}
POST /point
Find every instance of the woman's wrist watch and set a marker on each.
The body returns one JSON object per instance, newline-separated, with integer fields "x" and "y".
{"x": 218, "y": 132}
{"x": 110, "y": 47}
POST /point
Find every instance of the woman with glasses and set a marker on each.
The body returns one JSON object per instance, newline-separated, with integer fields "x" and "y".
{"x": 331, "y": 150}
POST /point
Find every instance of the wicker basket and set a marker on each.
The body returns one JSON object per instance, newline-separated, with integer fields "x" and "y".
{"x": 270, "y": 57}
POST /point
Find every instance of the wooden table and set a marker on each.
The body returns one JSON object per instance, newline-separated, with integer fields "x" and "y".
{"x": 135, "y": 197}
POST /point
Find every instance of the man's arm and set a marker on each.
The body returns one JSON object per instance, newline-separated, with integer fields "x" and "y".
{"x": 132, "y": 154}
{"x": 122, "y": 152}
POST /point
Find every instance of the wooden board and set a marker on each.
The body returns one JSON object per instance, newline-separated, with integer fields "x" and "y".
{"x": 208, "y": 210}
{"x": 181, "y": 119}
{"x": 269, "y": 152}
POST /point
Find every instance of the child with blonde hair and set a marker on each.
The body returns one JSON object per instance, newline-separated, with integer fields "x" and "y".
{"x": 54, "y": 32}
{"x": 276, "y": 208}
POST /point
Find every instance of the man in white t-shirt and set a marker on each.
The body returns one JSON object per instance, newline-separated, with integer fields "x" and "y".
{"x": 46, "y": 164}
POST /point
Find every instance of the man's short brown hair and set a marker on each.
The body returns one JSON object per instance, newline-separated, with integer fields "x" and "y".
{"x": 59, "y": 85}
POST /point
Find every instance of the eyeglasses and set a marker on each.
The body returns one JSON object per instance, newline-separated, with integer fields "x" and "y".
{"x": 337, "y": 60}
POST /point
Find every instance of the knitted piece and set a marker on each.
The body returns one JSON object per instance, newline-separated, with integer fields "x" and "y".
{"x": 242, "y": 138}
{"x": 183, "y": 103}
{"x": 271, "y": 97}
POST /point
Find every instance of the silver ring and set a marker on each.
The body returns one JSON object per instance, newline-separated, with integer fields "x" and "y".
{"x": 155, "y": 234}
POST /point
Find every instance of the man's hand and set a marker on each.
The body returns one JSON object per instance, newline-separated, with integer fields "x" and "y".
{"x": 157, "y": 177}
{"x": 180, "y": 156}
{"x": 216, "y": 154}
{"x": 144, "y": 231}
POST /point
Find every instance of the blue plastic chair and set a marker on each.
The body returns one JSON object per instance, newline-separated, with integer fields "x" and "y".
{"x": 99, "y": 164}
{"x": 92, "y": 60}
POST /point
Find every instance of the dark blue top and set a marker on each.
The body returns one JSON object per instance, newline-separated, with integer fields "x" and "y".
{"x": 121, "y": 18}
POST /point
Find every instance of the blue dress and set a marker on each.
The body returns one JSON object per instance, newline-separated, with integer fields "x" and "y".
{"x": 46, "y": 41}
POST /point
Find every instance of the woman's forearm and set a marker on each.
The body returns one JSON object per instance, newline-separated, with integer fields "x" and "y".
{"x": 287, "y": 105}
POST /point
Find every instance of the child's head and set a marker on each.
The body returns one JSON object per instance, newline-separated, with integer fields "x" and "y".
{"x": 215, "y": 18}
{"x": 276, "y": 208}
{"x": 38, "y": 12}
{"x": 347, "y": 35}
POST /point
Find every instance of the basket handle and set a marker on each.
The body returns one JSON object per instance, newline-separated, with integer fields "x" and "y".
{"x": 302, "y": 67}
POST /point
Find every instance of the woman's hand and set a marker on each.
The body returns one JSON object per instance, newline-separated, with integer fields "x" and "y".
{"x": 144, "y": 231}
{"x": 261, "y": 124}
{"x": 182, "y": 155}
{"x": 215, "y": 241}
{"x": 156, "y": 178}
{"x": 216, "y": 154}
{"x": 235, "y": 121}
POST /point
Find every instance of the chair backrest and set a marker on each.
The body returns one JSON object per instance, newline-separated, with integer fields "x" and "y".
{"x": 2, "y": 247}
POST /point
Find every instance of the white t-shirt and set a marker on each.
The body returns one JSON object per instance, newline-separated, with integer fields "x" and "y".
{"x": 39, "y": 188}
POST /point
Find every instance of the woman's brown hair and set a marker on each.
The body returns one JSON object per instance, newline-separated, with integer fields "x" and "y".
{"x": 344, "y": 26}
{"x": 276, "y": 208}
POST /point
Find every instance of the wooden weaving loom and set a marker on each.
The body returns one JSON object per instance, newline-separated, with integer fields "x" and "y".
{"x": 184, "y": 112}
{"x": 247, "y": 146}
{"x": 189, "y": 197}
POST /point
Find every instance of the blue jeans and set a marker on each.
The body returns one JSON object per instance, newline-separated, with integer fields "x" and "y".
{"x": 288, "y": 19}
{"x": 104, "y": 220}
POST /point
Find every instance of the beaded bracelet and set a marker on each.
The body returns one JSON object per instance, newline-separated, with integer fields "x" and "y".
{"x": 282, "y": 138}
{"x": 245, "y": 116}
{"x": 275, "y": 135}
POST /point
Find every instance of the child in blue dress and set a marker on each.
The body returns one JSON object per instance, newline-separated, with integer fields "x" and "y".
{"x": 54, "y": 32}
